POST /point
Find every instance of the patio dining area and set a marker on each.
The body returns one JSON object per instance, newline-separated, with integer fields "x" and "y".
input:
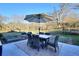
{"x": 37, "y": 44}
{"x": 20, "y": 48}
{"x": 40, "y": 46}
{"x": 42, "y": 40}
{"x": 33, "y": 43}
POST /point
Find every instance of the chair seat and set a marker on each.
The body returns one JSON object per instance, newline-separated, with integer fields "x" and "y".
{"x": 54, "y": 43}
{"x": 51, "y": 44}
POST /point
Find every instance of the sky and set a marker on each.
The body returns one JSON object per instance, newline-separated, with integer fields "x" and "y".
{"x": 9, "y": 9}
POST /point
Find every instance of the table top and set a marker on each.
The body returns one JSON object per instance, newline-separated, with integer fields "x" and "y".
{"x": 44, "y": 36}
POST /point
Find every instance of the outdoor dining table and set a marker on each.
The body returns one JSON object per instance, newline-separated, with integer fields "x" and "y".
{"x": 44, "y": 36}
{"x": 39, "y": 40}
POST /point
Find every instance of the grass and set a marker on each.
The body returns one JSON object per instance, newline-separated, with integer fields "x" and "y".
{"x": 75, "y": 38}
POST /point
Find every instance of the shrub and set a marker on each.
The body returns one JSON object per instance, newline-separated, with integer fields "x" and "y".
{"x": 1, "y": 35}
{"x": 24, "y": 33}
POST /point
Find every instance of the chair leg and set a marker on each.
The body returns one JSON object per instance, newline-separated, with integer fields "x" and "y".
{"x": 42, "y": 46}
{"x": 38, "y": 49}
{"x": 55, "y": 49}
{"x": 27, "y": 43}
{"x": 0, "y": 50}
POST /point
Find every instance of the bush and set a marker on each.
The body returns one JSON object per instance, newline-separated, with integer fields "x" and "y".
{"x": 2, "y": 38}
{"x": 12, "y": 31}
{"x": 1, "y": 35}
{"x": 24, "y": 33}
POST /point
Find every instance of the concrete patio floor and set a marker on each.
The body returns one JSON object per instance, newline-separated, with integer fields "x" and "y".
{"x": 11, "y": 49}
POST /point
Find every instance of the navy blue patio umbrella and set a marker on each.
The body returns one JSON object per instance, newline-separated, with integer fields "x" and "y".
{"x": 38, "y": 18}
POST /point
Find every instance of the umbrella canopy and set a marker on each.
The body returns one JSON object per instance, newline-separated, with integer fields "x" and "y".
{"x": 38, "y": 18}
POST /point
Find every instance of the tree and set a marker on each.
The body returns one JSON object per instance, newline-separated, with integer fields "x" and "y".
{"x": 60, "y": 14}
{"x": 64, "y": 11}
{"x": 17, "y": 20}
{"x": 2, "y": 18}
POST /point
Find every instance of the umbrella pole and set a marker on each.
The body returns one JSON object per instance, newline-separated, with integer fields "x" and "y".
{"x": 39, "y": 28}
{"x": 39, "y": 24}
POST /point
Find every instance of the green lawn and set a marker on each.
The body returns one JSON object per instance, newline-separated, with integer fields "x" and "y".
{"x": 75, "y": 38}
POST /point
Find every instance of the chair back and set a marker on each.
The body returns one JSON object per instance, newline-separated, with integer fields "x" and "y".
{"x": 36, "y": 41}
{"x": 29, "y": 36}
{"x": 41, "y": 33}
{"x": 47, "y": 33}
{"x": 35, "y": 37}
{"x": 24, "y": 33}
{"x": 56, "y": 40}
{"x": 29, "y": 32}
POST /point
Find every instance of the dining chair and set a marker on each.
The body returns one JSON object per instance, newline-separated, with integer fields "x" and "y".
{"x": 0, "y": 50}
{"x": 30, "y": 39}
{"x": 41, "y": 33}
{"x": 47, "y": 33}
{"x": 54, "y": 43}
{"x": 23, "y": 33}
{"x": 29, "y": 32}
{"x": 36, "y": 42}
